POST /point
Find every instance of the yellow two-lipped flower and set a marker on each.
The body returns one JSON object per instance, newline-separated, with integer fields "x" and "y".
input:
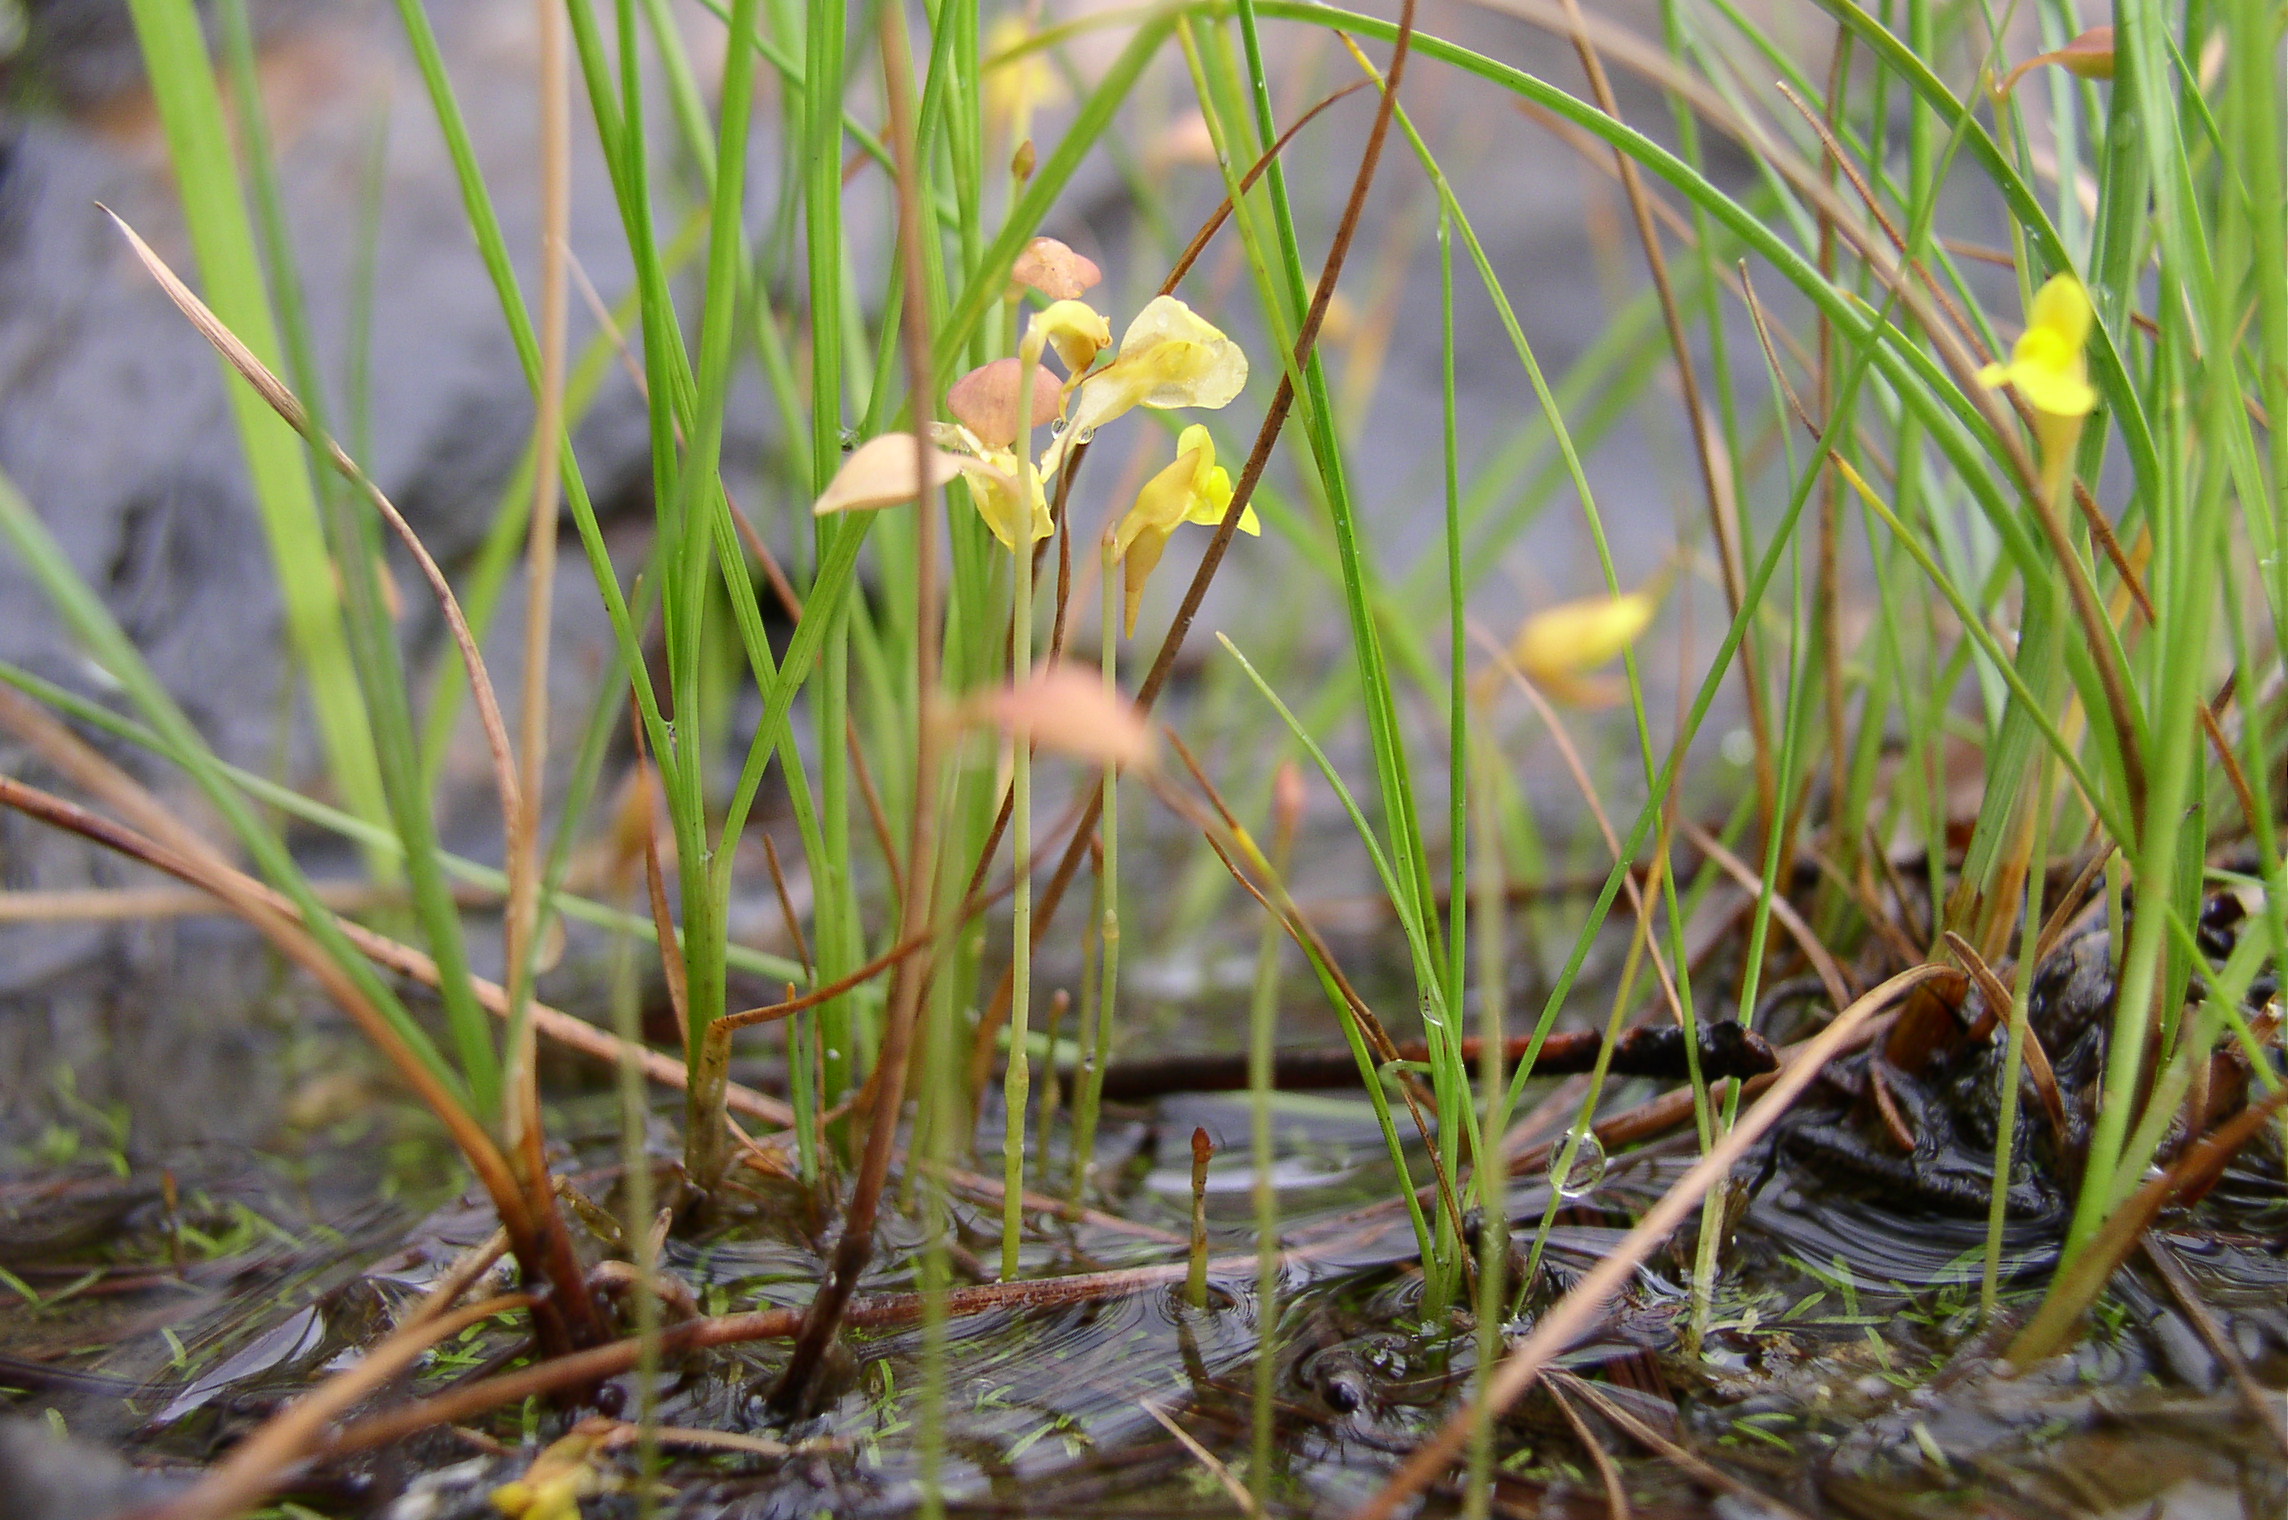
{"x": 1193, "y": 489}
{"x": 1169, "y": 357}
{"x": 2048, "y": 365}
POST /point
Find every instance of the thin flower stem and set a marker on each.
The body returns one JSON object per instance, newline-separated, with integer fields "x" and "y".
{"x": 1016, "y": 1085}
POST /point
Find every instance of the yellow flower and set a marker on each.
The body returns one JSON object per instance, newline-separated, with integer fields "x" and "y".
{"x": 1015, "y": 87}
{"x": 1074, "y": 330}
{"x": 552, "y": 1487}
{"x": 1169, "y": 357}
{"x": 992, "y": 475}
{"x": 2047, "y": 365}
{"x": 1559, "y": 647}
{"x": 1193, "y": 489}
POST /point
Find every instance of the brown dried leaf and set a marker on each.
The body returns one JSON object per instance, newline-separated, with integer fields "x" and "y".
{"x": 882, "y": 473}
{"x": 1069, "y": 710}
{"x": 985, "y": 400}
{"x": 1054, "y": 270}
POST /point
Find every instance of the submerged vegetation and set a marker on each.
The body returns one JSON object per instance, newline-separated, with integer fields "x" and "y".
{"x": 1948, "y": 893}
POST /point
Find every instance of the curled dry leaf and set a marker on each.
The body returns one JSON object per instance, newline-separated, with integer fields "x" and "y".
{"x": 2090, "y": 56}
{"x": 1054, "y": 270}
{"x": 1066, "y": 709}
{"x": 985, "y": 400}
{"x": 882, "y": 473}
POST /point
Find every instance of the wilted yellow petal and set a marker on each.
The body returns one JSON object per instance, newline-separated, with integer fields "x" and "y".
{"x": 1069, "y": 710}
{"x": 882, "y": 473}
{"x": 1563, "y": 642}
{"x": 985, "y": 400}
{"x": 1054, "y": 270}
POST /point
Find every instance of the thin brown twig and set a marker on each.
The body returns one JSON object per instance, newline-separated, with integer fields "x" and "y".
{"x": 2262, "y": 1402}
{"x": 1616, "y": 1493}
{"x": 786, "y": 907}
{"x": 1689, "y": 1462}
{"x": 257, "y": 1465}
{"x": 1572, "y": 1314}
{"x": 2001, "y": 1004}
{"x": 288, "y": 407}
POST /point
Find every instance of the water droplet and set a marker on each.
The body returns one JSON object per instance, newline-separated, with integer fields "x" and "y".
{"x": 1588, "y": 1168}
{"x": 849, "y": 438}
{"x": 1056, "y": 427}
{"x": 1085, "y": 435}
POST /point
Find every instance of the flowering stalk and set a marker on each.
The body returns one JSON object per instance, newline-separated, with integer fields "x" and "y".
{"x": 1017, "y": 1083}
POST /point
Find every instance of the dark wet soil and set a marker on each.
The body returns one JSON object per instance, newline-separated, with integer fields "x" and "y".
{"x": 1846, "y": 1370}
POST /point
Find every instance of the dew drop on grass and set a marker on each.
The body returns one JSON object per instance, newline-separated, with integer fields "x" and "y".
{"x": 1587, "y": 1170}
{"x": 849, "y": 439}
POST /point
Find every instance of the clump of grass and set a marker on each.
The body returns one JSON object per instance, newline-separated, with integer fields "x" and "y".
{"x": 2050, "y": 557}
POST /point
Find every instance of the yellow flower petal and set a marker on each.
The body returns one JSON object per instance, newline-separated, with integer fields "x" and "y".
{"x": 1169, "y": 357}
{"x": 1163, "y": 503}
{"x": 2061, "y": 306}
{"x": 1562, "y": 642}
{"x": 1136, "y": 563}
{"x": 1076, "y": 331}
{"x": 993, "y": 489}
{"x": 2047, "y": 364}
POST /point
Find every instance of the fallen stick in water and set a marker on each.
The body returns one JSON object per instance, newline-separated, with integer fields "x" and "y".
{"x": 1726, "y": 1050}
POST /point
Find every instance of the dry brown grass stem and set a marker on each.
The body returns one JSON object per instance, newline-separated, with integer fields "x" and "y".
{"x": 1574, "y": 1313}
{"x": 1608, "y": 1474}
{"x": 257, "y": 1465}
{"x": 245, "y": 897}
{"x": 2000, "y": 1004}
{"x": 1691, "y": 1464}
{"x": 521, "y": 1087}
{"x": 1639, "y": 905}
{"x": 1716, "y": 473}
{"x": 1823, "y": 963}
{"x": 1231, "y": 843}
{"x": 283, "y": 401}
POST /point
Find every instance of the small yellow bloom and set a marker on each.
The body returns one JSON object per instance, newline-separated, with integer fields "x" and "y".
{"x": 1016, "y": 87}
{"x": 2047, "y": 364}
{"x": 1558, "y": 647}
{"x": 1074, "y": 330}
{"x": 1169, "y": 357}
{"x": 1193, "y": 489}
{"x": 552, "y": 1487}
{"x": 993, "y": 476}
